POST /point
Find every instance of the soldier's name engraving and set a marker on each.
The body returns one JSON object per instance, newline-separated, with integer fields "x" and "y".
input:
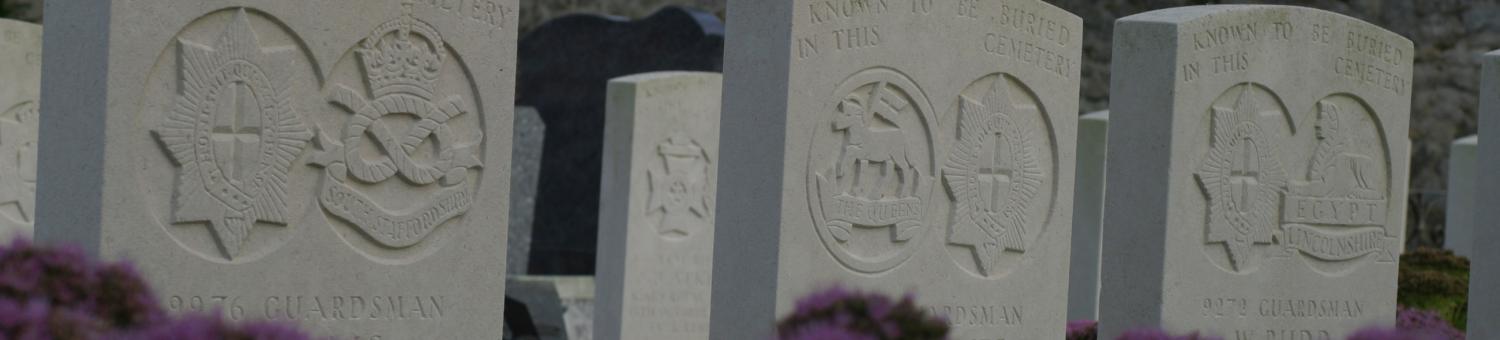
{"x": 1282, "y": 308}
{"x": 1029, "y": 53}
{"x": 315, "y": 308}
{"x": 1281, "y": 334}
{"x": 486, "y": 12}
{"x": 675, "y": 296}
{"x": 978, "y": 315}
{"x": 1337, "y": 211}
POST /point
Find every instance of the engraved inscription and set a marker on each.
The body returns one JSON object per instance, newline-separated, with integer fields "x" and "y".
{"x": 1242, "y": 179}
{"x": 18, "y": 137}
{"x": 870, "y": 171}
{"x": 401, "y": 137}
{"x": 233, "y": 135}
{"x": 485, "y": 12}
{"x": 680, "y": 194}
{"x": 998, "y": 174}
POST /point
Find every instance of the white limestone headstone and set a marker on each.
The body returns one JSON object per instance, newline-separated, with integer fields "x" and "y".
{"x": 1458, "y": 231}
{"x": 339, "y": 164}
{"x": 1257, "y": 170}
{"x": 20, "y": 87}
{"x": 656, "y": 223}
{"x": 1088, "y": 211}
{"x": 898, "y": 146}
{"x": 1484, "y": 277}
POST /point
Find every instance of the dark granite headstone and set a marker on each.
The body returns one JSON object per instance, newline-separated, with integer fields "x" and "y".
{"x": 564, "y": 67}
{"x": 533, "y": 310}
{"x": 525, "y": 166}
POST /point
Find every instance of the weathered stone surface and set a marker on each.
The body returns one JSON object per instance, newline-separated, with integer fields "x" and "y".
{"x": 1257, "y": 169}
{"x": 1088, "y": 211}
{"x": 564, "y": 67}
{"x": 525, "y": 167}
{"x": 903, "y": 146}
{"x": 20, "y": 88}
{"x": 339, "y": 164}
{"x": 1484, "y": 303}
{"x": 1462, "y": 182}
{"x": 656, "y": 223}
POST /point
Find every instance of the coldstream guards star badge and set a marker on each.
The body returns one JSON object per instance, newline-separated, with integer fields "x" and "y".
{"x": 403, "y": 61}
{"x": 233, "y": 135}
{"x": 1243, "y": 180}
{"x": 994, "y": 174}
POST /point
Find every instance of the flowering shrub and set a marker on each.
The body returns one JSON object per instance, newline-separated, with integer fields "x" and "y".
{"x": 1437, "y": 280}
{"x": 1413, "y": 324}
{"x": 1083, "y": 330}
{"x": 840, "y": 314}
{"x": 58, "y": 293}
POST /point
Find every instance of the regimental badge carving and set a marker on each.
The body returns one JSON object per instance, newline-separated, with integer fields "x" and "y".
{"x": 233, "y": 135}
{"x": 996, "y": 172}
{"x": 402, "y": 136}
{"x": 679, "y": 203}
{"x": 1242, "y": 179}
{"x": 1339, "y": 213}
{"x": 18, "y": 132}
{"x": 870, "y": 171}
{"x": 1333, "y": 218}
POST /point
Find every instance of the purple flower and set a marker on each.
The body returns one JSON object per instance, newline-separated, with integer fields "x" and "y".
{"x": 1083, "y": 330}
{"x": 1413, "y": 324}
{"x": 838, "y": 313}
{"x": 59, "y": 293}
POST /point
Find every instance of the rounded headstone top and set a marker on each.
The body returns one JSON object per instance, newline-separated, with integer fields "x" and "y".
{"x": 1194, "y": 14}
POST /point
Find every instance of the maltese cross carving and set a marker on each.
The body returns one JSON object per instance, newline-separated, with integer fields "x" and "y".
{"x": 679, "y": 190}
{"x": 1243, "y": 180}
{"x": 233, "y": 135}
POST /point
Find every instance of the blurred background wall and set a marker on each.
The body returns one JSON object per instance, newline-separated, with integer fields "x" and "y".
{"x": 1449, "y": 35}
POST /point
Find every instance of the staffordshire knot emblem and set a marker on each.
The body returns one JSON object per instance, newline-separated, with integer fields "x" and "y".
{"x": 402, "y": 61}
{"x": 233, "y": 134}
